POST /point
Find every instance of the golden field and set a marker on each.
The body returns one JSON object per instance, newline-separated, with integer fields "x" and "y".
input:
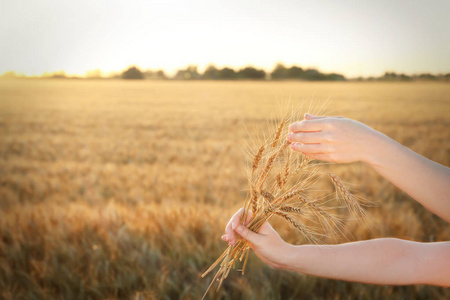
{"x": 122, "y": 189}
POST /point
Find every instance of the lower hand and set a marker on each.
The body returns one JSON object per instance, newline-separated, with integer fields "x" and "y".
{"x": 267, "y": 244}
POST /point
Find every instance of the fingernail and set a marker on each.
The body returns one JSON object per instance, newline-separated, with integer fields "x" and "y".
{"x": 308, "y": 115}
{"x": 290, "y": 135}
{"x": 293, "y": 146}
{"x": 225, "y": 237}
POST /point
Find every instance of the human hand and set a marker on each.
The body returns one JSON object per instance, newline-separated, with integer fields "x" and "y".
{"x": 267, "y": 244}
{"x": 333, "y": 139}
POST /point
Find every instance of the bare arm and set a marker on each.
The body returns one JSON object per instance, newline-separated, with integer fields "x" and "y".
{"x": 344, "y": 140}
{"x": 379, "y": 261}
{"x": 424, "y": 180}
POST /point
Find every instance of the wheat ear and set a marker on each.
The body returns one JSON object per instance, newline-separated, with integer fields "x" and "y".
{"x": 278, "y": 134}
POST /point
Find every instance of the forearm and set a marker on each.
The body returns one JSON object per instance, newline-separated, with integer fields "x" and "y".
{"x": 424, "y": 180}
{"x": 379, "y": 261}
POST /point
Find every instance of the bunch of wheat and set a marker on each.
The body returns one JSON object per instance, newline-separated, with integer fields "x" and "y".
{"x": 279, "y": 184}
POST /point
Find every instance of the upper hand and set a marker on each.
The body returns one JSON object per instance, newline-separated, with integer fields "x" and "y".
{"x": 333, "y": 139}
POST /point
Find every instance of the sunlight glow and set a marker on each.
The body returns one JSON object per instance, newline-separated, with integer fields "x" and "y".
{"x": 350, "y": 37}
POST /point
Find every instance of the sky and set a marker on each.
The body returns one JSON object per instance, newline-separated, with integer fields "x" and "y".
{"x": 354, "y": 38}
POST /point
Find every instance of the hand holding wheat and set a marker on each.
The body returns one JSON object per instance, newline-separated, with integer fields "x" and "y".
{"x": 279, "y": 185}
{"x": 267, "y": 244}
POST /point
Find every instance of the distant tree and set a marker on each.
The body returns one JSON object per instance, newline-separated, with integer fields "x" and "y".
{"x": 427, "y": 76}
{"x": 389, "y": 76}
{"x": 280, "y": 72}
{"x": 335, "y": 77}
{"x": 159, "y": 74}
{"x": 211, "y": 72}
{"x": 227, "y": 73}
{"x": 251, "y": 73}
{"x": 188, "y": 74}
{"x": 58, "y": 74}
{"x": 132, "y": 73}
{"x": 295, "y": 72}
{"x": 446, "y": 77}
{"x": 313, "y": 74}
{"x": 404, "y": 77}
{"x": 180, "y": 75}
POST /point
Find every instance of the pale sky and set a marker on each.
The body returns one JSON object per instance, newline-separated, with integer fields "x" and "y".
{"x": 349, "y": 37}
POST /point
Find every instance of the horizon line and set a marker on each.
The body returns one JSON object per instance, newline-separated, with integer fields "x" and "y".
{"x": 108, "y": 74}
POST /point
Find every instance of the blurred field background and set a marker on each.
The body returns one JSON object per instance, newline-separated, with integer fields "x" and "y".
{"x": 121, "y": 189}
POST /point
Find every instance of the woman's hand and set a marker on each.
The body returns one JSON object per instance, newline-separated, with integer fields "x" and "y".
{"x": 267, "y": 244}
{"x": 334, "y": 139}
{"x": 343, "y": 140}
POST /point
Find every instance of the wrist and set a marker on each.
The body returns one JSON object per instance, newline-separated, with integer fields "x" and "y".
{"x": 291, "y": 260}
{"x": 377, "y": 145}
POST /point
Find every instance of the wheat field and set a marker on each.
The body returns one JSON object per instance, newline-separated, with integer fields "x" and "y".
{"x": 122, "y": 189}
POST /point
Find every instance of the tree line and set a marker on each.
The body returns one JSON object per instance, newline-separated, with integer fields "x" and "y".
{"x": 280, "y": 72}
{"x": 392, "y": 76}
{"x": 213, "y": 73}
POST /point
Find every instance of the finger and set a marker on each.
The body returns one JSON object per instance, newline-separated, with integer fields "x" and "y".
{"x": 231, "y": 235}
{"x": 234, "y": 222}
{"x": 311, "y": 117}
{"x": 225, "y": 237}
{"x": 307, "y": 137}
{"x": 308, "y": 125}
{"x": 308, "y": 148}
{"x": 247, "y": 234}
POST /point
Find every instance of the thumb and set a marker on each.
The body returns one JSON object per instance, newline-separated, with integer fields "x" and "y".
{"x": 247, "y": 234}
{"x": 311, "y": 117}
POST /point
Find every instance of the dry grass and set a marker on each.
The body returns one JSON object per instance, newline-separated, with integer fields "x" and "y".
{"x": 121, "y": 190}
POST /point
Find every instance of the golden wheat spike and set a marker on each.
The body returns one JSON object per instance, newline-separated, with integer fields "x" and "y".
{"x": 279, "y": 181}
{"x": 270, "y": 163}
{"x": 267, "y": 195}
{"x": 293, "y": 222}
{"x": 254, "y": 202}
{"x": 350, "y": 201}
{"x": 278, "y": 133}
{"x": 257, "y": 159}
{"x": 288, "y": 196}
{"x": 287, "y": 169}
{"x": 302, "y": 164}
{"x": 288, "y": 208}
